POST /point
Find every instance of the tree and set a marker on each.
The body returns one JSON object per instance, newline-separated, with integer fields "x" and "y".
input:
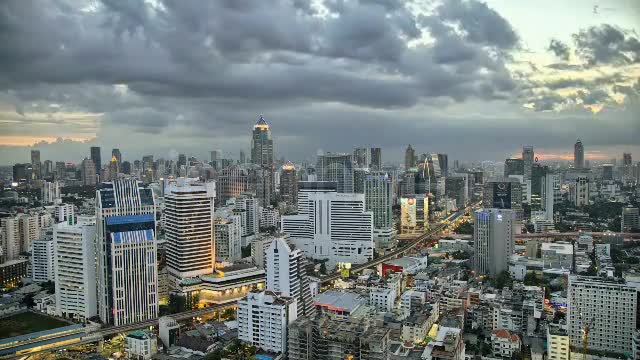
{"x": 531, "y": 279}
{"x": 214, "y": 355}
{"x": 246, "y": 251}
{"x": 503, "y": 279}
{"x": 323, "y": 269}
{"x": 177, "y": 303}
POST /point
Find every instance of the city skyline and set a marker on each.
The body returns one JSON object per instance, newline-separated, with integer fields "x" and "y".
{"x": 500, "y": 82}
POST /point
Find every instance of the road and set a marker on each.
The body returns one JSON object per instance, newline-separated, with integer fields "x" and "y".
{"x": 98, "y": 335}
{"x": 401, "y": 251}
{"x": 576, "y": 234}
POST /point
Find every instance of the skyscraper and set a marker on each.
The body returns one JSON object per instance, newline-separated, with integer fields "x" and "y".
{"x": 262, "y": 144}
{"x": 116, "y": 153}
{"x": 97, "y": 159}
{"x": 189, "y": 228}
{"x": 75, "y": 270}
{"x": 626, "y": 159}
{"x": 493, "y": 236}
{"x": 36, "y": 164}
{"x": 331, "y": 225}
{"x": 513, "y": 167}
{"x": 361, "y": 157}
{"x": 286, "y": 274}
{"x": 337, "y": 168}
{"x": 378, "y": 194}
{"x": 550, "y": 194}
{"x": 409, "y": 158}
{"x": 88, "y": 172}
{"x": 262, "y": 156}
{"x": 630, "y": 219}
{"x": 527, "y": 161}
{"x": 289, "y": 184}
{"x": 443, "y": 159}
{"x": 375, "y": 162}
{"x": 501, "y": 193}
{"x": 126, "y": 250}
{"x": 578, "y": 155}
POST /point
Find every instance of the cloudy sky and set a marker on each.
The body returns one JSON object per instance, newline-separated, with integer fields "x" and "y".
{"x": 473, "y": 79}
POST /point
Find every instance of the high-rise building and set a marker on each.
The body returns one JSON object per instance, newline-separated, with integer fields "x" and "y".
{"x": 359, "y": 174}
{"x": 216, "y": 159}
{"x": 527, "y": 161}
{"x": 243, "y": 157}
{"x": 513, "y": 167}
{"x": 414, "y": 213}
{"x": 378, "y": 194}
{"x": 375, "y": 159}
{"x": 337, "y": 168}
{"x": 228, "y": 235}
{"x": 189, "y": 228}
{"x": 550, "y": 194}
{"x": 608, "y": 307}
{"x": 501, "y": 193}
{"x": 262, "y": 144}
{"x": 443, "y": 160}
{"x": 36, "y": 164}
{"x": 233, "y": 181}
{"x": 47, "y": 168}
{"x": 409, "y": 158}
{"x": 630, "y": 219}
{"x": 331, "y": 225}
{"x": 88, "y": 172}
{"x": 607, "y": 172}
{"x": 361, "y": 157}
{"x": 50, "y": 192}
{"x": 289, "y": 184}
{"x": 182, "y": 160}
{"x": 22, "y": 173}
{"x": 626, "y": 159}
{"x": 578, "y": 155}
{"x": 286, "y": 274}
{"x": 493, "y": 236}
{"x": 456, "y": 187}
{"x": 264, "y": 182}
{"x": 579, "y": 191}
{"x": 126, "y": 250}
{"x": 246, "y": 205}
{"x": 75, "y": 270}
{"x": 96, "y": 157}
{"x": 263, "y": 319}
{"x": 116, "y": 153}
{"x": 42, "y": 259}
{"x": 114, "y": 168}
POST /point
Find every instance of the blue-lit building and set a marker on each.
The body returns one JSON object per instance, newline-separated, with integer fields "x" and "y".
{"x": 126, "y": 251}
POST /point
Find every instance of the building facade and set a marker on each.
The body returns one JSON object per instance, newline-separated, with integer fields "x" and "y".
{"x": 493, "y": 234}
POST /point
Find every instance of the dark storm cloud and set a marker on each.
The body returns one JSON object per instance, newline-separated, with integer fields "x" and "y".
{"x": 560, "y": 49}
{"x": 607, "y": 44}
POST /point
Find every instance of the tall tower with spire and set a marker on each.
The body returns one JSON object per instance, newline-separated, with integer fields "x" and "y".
{"x": 262, "y": 156}
{"x": 578, "y": 155}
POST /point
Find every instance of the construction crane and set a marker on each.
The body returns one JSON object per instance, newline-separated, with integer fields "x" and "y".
{"x": 586, "y": 326}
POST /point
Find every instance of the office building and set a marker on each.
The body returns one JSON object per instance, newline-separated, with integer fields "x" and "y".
{"x": 22, "y": 173}
{"x": 228, "y": 237}
{"x": 115, "y": 153}
{"x": 557, "y": 343}
{"x": 126, "y": 249}
{"x": 626, "y": 159}
{"x": 287, "y": 275}
{"x": 88, "y": 172}
{"x": 289, "y": 184}
{"x": 443, "y": 160}
{"x": 375, "y": 159}
{"x": 36, "y": 164}
{"x": 578, "y": 155}
{"x": 527, "y": 161}
{"x": 269, "y": 217}
{"x": 42, "y": 259}
{"x": 493, "y": 235}
{"x": 409, "y": 158}
{"x": 378, "y": 193}
{"x": 259, "y": 247}
{"x": 456, "y": 188}
{"x": 551, "y": 194}
{"x": 579, "y": 191}
{"x": 232, "y": 181}
{"x": 263, "y": 319}
{"x": 189, "y": 228}
{"x": 96, "y": 157}
{"x": 361, "y": 157}
{"x": 337, "y": 168}
{"x": 246, "y": 205}
{"x": 630, "y": 220}
{"x": 414, "y": 214}
{"x": 262, "y": 144}
{"x": 75, "y": 270}
{"x": 331, "y": 225}
{"x": 50, "y": 192}
{"x": 264, "y": 183}
{"x": 501, "y": 193}
{"x": 608, "y": 307}
{"x": 513, "y": 167}
{"x": 607, "y": 172}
